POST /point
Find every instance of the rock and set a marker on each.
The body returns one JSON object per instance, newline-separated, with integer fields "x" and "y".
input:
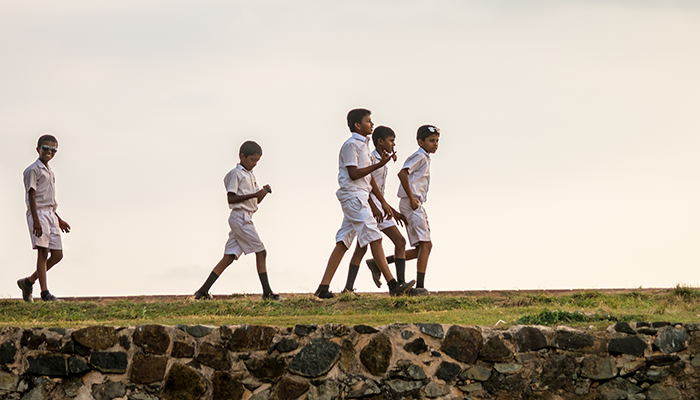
{"x": 214, "y": 356}
{"x": 290, "y": 388}
{"x": 286, "y": 345}
{"x": 652, "y": 375}
{"x": 96, "y": 337}
{"x": 447, "y": 371}
{"x": 406, "y": 370}
{"x": 405, "y": 335}
{"x": 633, "y": 345}
{"x": 558, "y": 372}
{"x": 8, "y": 382}
{"x": 696, "y": 361}
{"x": 347, "y": 361}
{"x": 182, "y": 350}
{"x": 251, "y": 384}
{"x": 599, "y": 368}
{"x": 72, "y": 387}
{"x": 617, "y": 388}
{"x": 147, "y": 369}
{"x": 417, "y": 346}
{"x": 32, "y": 341}
{"x": 108, "y": 390}
{"x": 226, "y": 387}
{"x": 624, "y": 327}
{"x": 462, "y": 344}
{"x": 435, "y": 353}
{"x": 477, "y": 373}
{"x": 327, "y": 390}
{"x": 365, "y": 329}
{"x": 7, "y": 352}
{"x": 664, "y": 359}
{"x": 568, "y": 340}
{"x": 659, "y": 324}
{"x": 505, "y": 383}
{"x": 434, "y": 330}
{"x": 335, "y": 330}
{"x": 197, "y": 331}
{"x": 47, "y": 365}
{"x": 672, "y": 340}
{"x": 647, "y": 331}
{"x": 77, "y": 366}
{"x": 496, "y": 350}
{"x": 315, "y": 359}
{"x": 472, "y": 387}
{"x": 529, "y": 338}
{"x": 251, "y": 338}
{"x": 508, "y": 368}
{"x": 304, "y": 330}
{"x": 109, "y": 362}
{"x": 631, "y": 366}
{"x": 376, "y": 355}
{"x": 152, "y": 339}
{"x": 660, "y": 392}
{"x": 267, "y": 369}
{"x": 183, "y": 383}
{"x": 42, "y": 387}
{"x": 125, "y": 342}
{"x": 401, "y": 386}
{"x": 360, "y": 387}
{"x": 434, "y": 389}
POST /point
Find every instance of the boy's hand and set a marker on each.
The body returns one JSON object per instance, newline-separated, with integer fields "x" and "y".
{"x": 36, "y": 229}
{"x": 376, "y": 213}
{"x": 65, "y": 228}
{"x": 267, "y": 188}
{"x": 260, "y": 194}
{"x": 386, "y": 156}
{"x": 414, "y": 204}
{"x": 400, "y": 218}
{"x": 388, "y": 211}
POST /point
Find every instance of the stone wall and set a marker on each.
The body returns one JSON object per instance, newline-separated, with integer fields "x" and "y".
{"x": 401, "y": 361}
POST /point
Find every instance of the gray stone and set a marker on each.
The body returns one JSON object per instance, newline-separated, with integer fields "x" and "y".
{"x": 251, "y": 338}
{"x": 286, "y": 345}
{"x": 290, "y": 388}
{"x": 335, "y": 330}
{"x": 267, "y": 369}
{"x": 568, "y": 340}
{"x": 624, "y": 327}
{"x": 660, "y": 392}
{"x": 197, "y": 331}
{"x": 447, "y": 371}
{"x": 152, "y": 339}
{"x": 125, "y": 342}
{"x": 599, "y": 368}
{"x": 183, "y": 383}
{"x": 496, "y": 350}
{"x": 77, "y": 366}
{"x": 477, "y": 373}
{"x": 652, "y": 375}
{"x": 672, "y": 340}
{"x": 47, "y": 365}
{"x": 326, "y": 390}
{"x": 405, "y": 335}
{"x": 42, "y": 387}
{"x": 417, "y": 346}
{"x": 376, "y": 355}
{"x": 664, "y": 359}
{"x": 72, "y": 387}
{"x": 506, "y": 383}
{"x": 647, "y": 331}
{"x": 347, "y": 361}
{"x": 147, "y": 369}
{"x": 315, "y": 359}
{"x": 226, "y": 387}
{"x": 359, "y": 387}
{"x": 530, "y": 338}
{"x": 8, "y": 382}
{"x": 472, "y": 387}
{"x": 108, "y": 390}
{"x": 263, "y": 395}
{"x": 462, "y": 344}
{"x": 7, "y": 353}
{"x": 558, "y": 372}
{"x": 434, "y": 389}
{"x": 96, "y": 337}
{"x": 214, "y": 356}
{"x": 696, "y": 361}
{"x": 659, "y": 324}
{"x": 304, "y": 330}
{"x": 365, "y": 329}
{"x": 633, "y": 345}
{"x": 406, "y": 370}
{"x": 109, "y": 362}
{"x": 251, "y": 384}
{"x": 182, "y": 350}
{"x": 434, "y": 330}
{"x": 142, "y": 396}
{"x": 402, "y": 386}
{"x": 507, "y": 368}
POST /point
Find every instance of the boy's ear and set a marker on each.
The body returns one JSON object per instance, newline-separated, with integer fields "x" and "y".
{"x": 357, "y": 126}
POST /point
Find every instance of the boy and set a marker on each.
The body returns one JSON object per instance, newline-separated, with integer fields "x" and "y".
{"x": 45, "y": 226}
{"x": 355, "y": 180}
{"x": 384, "y": 140}
{"x": 243, "y": 198}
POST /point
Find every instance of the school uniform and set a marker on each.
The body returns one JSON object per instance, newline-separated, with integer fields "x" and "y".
{"x": 41, "y": 178}
{"x": 417, "y": 227}
{"x": 380, "y": 178}
{"x": 354, "y": 194}
{"x": 243, "y": 237}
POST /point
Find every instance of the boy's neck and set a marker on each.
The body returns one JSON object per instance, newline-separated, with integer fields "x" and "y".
{"x": 361, "y": 134}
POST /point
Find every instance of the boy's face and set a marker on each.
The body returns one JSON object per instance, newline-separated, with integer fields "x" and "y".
{"x": 249, "y": 162}
{"x": 387, "y": 144}
{"x": 430, "y": 144}
{"x": 47, "y": 150}
{"x": 364, "y": 128}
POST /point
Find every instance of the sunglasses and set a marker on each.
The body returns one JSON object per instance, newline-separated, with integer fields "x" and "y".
{"x": 433, "y": 129}
{"x": 49, "y": 148}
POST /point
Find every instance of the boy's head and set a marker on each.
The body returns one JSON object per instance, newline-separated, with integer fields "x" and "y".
{"x": 47, "y": 146}
{"x": 428, "y": 137}
{"x": 384, "y": 139}
{"x": 360, "y": 121}
{"x": 250, "y": 154}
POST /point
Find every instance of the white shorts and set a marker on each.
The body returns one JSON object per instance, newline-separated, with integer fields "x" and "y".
{"x": 417, "y": 225}
{"x": 386, "y": 223}
{"x": 357, "y": 220}
{"x": 243, "y": 238}
{"x": 51, "y": 236}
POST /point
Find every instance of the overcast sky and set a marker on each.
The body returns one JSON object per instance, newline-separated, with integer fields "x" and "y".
{"x": 568, "y": 154}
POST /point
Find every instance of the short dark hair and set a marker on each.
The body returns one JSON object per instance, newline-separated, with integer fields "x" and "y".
{"x": 46, "y": 138}
{"x": 382, "y": 132}
{"x": 249, "y": 148}
{"x": 427, "y": 130}
{"x": 355, "y": 117}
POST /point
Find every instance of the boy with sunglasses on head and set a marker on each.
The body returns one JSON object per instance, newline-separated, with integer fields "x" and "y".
{"x": 243, "y": 197}
{"x": 45, "y": 225}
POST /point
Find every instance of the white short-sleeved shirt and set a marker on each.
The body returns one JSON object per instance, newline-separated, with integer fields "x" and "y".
{"x": 241, "y": 182}
{"x": 381, "y": 173}
{"x": 40, "y": 177}
{"x": 418, "y": 165}
{"x": 354, "y": 152}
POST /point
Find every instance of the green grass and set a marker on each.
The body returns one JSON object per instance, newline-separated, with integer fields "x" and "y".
{"x": 575, "y": 308}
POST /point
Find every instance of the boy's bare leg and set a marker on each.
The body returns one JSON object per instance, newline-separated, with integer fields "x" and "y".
{"x": 225, "y": 261}
{"x": 42, "y": 256}
{"x": 54, "y": 257}
{"x": 203, "y": 292}
{"x": 260, "y": 262}
{"x": 412, "y": 254}
{"x": 424, "y": 249}
{"x": 333, "y": 262}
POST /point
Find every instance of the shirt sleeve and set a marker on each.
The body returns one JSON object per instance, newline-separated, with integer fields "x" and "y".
{"x": 349, "y": 155}
{"x": 30, "y": 178}
{"x": 231, "y": 181}
{"x": 412, "y": 163}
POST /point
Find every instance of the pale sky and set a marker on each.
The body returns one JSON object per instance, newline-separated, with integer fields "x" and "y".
{"x": 568, "y": 154}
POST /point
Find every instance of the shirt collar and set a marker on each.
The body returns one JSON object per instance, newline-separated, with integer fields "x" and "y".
{"x": 357, "y": 136}
{"x": 422, "y": 150}
{"x": 42, "y": 165}
{"x": 242, "y": 168}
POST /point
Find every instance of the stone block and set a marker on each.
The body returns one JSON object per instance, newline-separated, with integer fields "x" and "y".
{"x": 529, "y": 338}
{"x": 290, "y": 388}
{"x": 184, "y": 383}
{"x": 417, "y": 346}
{"x": 633, "y": 345}
{"x": 315, "y": 359}
{"x": 96, "y": 337}
{"x": 109, "y": 362}
{"x": 376, "y": 355}
{"x": 251, "y": 338}
{"x": 433, "y": 330}
{"x": 153, "y": 339}
{"x": 214, "y": 356}
{"x": 47, "y": 365}
{"x": 267, "y": 369}
{"x": 147, "y": 369}
{"x": 462, "y": 344}
{"x": 226, "y": 387}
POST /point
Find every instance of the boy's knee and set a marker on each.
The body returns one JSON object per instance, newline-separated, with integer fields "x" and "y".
{"x": 427, "y": 245}
{"x": 262, "y": 253}
{"x": 42, "y": 253}
{"x": 400, "y": 242}
{"x": 57, "y": 256}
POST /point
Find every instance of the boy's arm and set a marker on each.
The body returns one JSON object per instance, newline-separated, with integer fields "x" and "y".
{"x": 36, "y": 225}
{"x": 388, "y": 213}
{"x": 358, "y": 173}
{"x": 403, "y": 178}
{"x": 65, "y": 227}
{"x": 236, "y": 198}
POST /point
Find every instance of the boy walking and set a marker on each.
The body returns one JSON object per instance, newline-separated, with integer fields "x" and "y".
{"x": 355, "y": 180}
{"x": 243, "y": 197}
{"x": 45, "y": 226}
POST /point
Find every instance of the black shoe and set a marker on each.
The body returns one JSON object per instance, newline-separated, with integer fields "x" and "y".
{"x": 47, "y": 296}
{"x": 419, "y": 291}
{"x": 271, "y": 296}
{"x": 350, "y": 291}
{"x": 401, "y": 288}
{"x": 376, "y": 273}
{"x": 325, "y": 294}
{"x": 202, "y": 296}
{"x": 27, "y": 288}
